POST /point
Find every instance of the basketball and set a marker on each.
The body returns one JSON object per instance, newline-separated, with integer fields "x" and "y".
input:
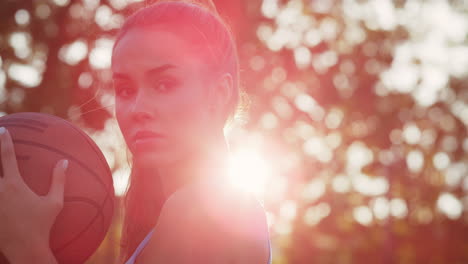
{"x": 41, "y": 140}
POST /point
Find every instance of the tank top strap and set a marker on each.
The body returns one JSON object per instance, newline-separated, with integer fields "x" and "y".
{"x": 269, "y": 258}
{"x": 140, "y": 247}
{"x": 145, "y": 241}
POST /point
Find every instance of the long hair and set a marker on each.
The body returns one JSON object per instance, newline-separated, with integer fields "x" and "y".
{"x": 200, "y": 24}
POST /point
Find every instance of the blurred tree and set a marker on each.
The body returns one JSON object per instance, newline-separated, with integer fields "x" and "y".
{"x": 366, "y": 90}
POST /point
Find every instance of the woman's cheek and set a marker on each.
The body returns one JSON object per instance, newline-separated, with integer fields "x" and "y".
{"x": 122, "y": 117}
{"x": 188, "y": 119}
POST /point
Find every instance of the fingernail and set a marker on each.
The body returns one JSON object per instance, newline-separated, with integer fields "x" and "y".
{"x": 2, "y": 130}
{"x": 64, "y": 164}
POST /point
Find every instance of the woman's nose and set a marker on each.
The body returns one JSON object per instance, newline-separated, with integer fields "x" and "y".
{"x": 139, "y": 116}
{"x": 140, "y": 111}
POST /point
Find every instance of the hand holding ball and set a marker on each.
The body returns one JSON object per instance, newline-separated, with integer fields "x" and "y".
{"x": 39, "y": 141}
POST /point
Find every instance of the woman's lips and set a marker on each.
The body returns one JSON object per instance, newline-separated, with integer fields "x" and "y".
{"x": 146, "y": 134}
{"x": 142, "y": 139}
{"x": 147, "y": 140}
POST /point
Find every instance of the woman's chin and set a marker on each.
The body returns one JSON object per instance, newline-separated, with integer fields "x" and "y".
{"x": 148, "y": 158}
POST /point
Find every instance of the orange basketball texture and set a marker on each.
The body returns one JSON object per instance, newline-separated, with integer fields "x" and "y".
{"x": 41, "y": 140}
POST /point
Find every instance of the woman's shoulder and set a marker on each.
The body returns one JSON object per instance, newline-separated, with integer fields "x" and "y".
{"x": 210, "y": 220}
{"x": 216, "y": 199}
{"x": 224, "y": 209}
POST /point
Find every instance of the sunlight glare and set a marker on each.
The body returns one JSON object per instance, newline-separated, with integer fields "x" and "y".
{"x": 248, "y": 170}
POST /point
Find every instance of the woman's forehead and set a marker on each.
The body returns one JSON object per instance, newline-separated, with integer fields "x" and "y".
{"x": 143, "y": 48}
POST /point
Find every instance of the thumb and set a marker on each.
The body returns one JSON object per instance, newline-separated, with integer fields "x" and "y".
{"x": 58, "y": 181}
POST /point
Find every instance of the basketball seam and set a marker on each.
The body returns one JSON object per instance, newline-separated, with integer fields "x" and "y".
{"x": 99, "y": 212}
{"x": 37, "y": 122}
{"x": 66, "y": 155}
{"x": 109, "y": 188}
{"x": 21, "y": 125}
{"x": 84, "y": 135}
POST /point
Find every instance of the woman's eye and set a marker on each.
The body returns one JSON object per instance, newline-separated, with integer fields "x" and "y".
{"x": 165, "y": 86}
{"x": 123, "y": 91}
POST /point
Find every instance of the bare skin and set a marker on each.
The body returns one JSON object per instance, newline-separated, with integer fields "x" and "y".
{"x": 170, "y": 93}
{"x": 191, "y": 158}
{"x": 210, "y": 223}
{"x": 25, "y": 233}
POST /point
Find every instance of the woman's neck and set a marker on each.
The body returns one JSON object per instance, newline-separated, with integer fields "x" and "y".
{"x": 209, "y": 163}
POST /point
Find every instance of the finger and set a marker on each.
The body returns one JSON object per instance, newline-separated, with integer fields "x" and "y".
{"x": 58, "y": 181}
{"x": 9, "y": 163}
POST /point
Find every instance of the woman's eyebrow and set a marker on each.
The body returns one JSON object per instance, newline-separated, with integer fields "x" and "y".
{"x": 150, "y": 72}
{"x": 159, "y": 70}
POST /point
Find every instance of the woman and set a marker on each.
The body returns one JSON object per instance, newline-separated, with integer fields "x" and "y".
{"x": 175, "y": 70}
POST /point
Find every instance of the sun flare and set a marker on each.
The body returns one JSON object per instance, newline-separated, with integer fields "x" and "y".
{"x": 248, "y": 170}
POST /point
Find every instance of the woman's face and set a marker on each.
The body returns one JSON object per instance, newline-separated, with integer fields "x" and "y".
{"x": 160, "y": 90}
